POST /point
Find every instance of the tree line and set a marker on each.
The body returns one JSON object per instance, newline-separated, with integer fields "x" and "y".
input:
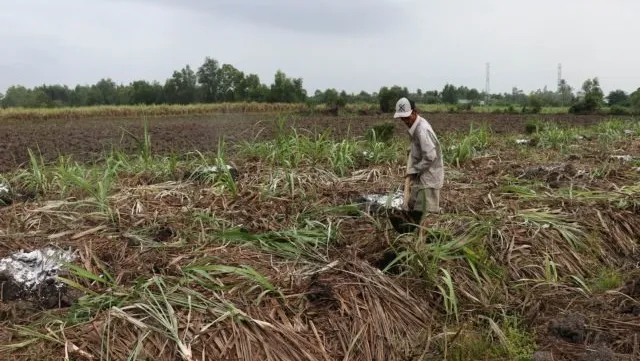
{"x": 213, "y": 82}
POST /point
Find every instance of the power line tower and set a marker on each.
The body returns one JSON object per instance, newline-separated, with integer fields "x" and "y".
{"x": 559, "y": 76}
{"x": 487, "y": 86}
{"x": 561, "y": 91}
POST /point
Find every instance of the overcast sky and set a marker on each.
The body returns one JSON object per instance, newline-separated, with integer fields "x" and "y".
{"x": 347, "y": 44}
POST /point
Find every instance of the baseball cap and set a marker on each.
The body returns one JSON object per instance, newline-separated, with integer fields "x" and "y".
{"x": 403, "y": 108}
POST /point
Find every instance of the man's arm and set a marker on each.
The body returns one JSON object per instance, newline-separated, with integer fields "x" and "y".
{"x": 428, "y": 150}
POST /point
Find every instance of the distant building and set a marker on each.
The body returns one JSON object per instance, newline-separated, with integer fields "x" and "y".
{"x": 473, "y": 102}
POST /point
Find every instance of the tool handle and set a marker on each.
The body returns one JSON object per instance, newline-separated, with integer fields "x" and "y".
{"x": 407, "y": 191}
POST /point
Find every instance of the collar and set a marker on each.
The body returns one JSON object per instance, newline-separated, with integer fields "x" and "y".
{"x": 415, "y": 125}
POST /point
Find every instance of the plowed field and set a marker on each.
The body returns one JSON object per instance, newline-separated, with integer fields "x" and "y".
{"x": 87, "y": 139}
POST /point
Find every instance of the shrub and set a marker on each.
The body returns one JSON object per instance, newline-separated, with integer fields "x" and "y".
{"x": 532, "y": 126}
{"x": 583, "y": 107}
{"x": 619, "y": 110}
{"x": 533, "y": 106}
{"x": 464, "y": 107}
{"x": 381, "y": 132}
{"x": 389, "y": 96}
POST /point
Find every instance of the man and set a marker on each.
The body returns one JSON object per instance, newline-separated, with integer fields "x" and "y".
{"x": 425, "y": 170}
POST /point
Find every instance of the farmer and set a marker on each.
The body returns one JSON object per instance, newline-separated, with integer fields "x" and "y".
{"x": 425, "y": 172}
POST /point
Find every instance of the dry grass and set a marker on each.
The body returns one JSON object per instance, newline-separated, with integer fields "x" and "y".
{"x": 280, "y": 266}
{"x": 138, "y": 111}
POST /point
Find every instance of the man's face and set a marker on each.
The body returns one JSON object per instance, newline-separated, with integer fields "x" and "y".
{"x": 408, "y": 121}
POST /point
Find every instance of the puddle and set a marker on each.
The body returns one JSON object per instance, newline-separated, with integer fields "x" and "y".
{"x": 29, "y": 270}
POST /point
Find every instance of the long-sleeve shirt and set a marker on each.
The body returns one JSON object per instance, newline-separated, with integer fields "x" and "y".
{"x": 425, "y": 155}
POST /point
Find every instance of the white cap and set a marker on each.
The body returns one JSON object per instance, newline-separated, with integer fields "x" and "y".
{"x": 403, "y": 108}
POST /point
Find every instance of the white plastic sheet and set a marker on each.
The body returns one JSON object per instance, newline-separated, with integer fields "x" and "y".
{"x": 385, "y": 200}
{"x": 30, "y": 269}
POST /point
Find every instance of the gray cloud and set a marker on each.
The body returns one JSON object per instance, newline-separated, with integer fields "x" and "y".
{"x": 344, "y": 44}
{"x": 343, "y": 17}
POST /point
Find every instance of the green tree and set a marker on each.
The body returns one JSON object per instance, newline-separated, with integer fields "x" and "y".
{"x": 592, "y": 100}
{"x": 634, "y": 100}
{"x": 287, "y": 90}
{"x": 123, "y": 94}
{"x": 474, "y": 95}
{"x": 364, "y": 97}
{"x": 449, "y": 94}
{"x": 462, "y": 92}
{"x": 256, "y": 91}
{"x": 16, "y": 96}
{"x": 230, "y": 82}
{"x": 181, "y": 87}
{"x": 104, "y": 92}
{"x": 142, "y": 92}
{"x": 593, "y": 94}
{"x": 80, "y": 96}
{"x": 618, "y": 97}
{"x": 330, "y": 97}
{"x": 208, "y": 79}
{"x": 565, "y": 92}
{"x": 432, "y": 97}
{"x": 534, "y": 103}
{"x": 388, "y": 97}
{"x": 57, "y": 95}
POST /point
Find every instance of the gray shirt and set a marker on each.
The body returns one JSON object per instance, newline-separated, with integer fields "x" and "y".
{"x": 425, "y": 155}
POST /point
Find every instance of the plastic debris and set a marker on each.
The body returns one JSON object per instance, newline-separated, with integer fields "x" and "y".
{"x": 29, "y": 270}
{"x": 625, "y": 158}
{"x": 380, "y": 202}
{"x": 205, "y": 172}
{"x": 390, "y": 206}
{"x": 5, "y": 194}
{"x": 522, "y": 141}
